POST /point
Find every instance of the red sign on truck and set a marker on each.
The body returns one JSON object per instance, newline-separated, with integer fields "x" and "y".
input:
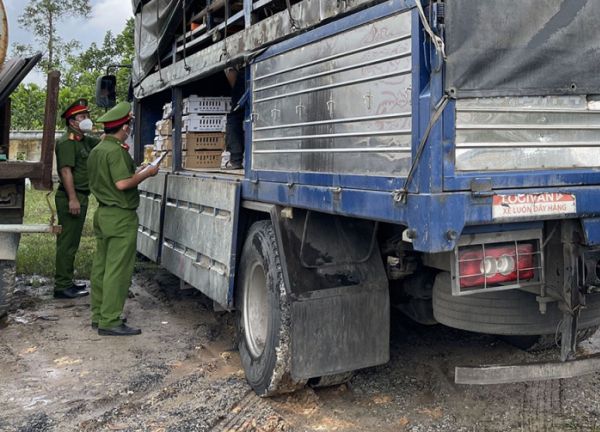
{"x": 532, "y": 205}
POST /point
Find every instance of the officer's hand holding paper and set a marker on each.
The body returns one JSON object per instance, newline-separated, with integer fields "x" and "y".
{"x": 159, "y": 159}
{"x": 152, "y": 167}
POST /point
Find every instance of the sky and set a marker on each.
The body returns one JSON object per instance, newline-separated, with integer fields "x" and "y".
{"x": 106, "y": 15}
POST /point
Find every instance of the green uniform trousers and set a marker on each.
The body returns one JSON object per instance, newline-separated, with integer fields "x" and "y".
{"x": 116, "y": 236}
{"x": 67, "y": 242}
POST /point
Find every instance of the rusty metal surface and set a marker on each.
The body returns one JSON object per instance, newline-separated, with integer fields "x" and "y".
{"x": 13, "y": 71}
{"x": 9, "y": 244}
{"x": 504, "y": 374}
{"x": 44, "y": 181}
{"x": 5, "y": 127}
{"x": 152, "y": 198}
{"x": 200, "y": 225}
{"x": 3, "y": 33}
{"x": 18, "y": 170}
{"x": 306, "y": 14}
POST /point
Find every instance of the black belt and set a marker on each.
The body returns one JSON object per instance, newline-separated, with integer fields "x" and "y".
{"x": 62, "y": 189}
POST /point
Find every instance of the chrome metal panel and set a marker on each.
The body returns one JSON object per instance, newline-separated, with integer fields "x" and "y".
{"x": 152, "y": 193}
{"x": 198, "y": 235}
{"x": 527, "y": 133}
{"x": 341, "y": 104}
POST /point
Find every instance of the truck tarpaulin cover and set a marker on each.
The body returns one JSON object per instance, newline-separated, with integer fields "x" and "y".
{"x": 522, "y": 48}
{"x": 154, "y": 22}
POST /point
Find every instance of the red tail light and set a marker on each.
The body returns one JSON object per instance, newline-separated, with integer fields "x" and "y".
{"x": 484, "y": 266}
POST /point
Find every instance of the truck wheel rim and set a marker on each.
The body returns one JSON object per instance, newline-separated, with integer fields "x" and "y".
{"x": 256, "y": 311}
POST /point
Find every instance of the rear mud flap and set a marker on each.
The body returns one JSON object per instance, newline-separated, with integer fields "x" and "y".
{"x": 338, "y": 290}
{"x": 339, "y": 330}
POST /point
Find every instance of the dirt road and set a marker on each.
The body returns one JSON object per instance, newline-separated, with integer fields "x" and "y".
{"x": 183, "y": 374}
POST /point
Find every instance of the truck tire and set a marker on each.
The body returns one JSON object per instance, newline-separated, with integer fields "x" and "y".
{"x": 7, "y": 285}
{"x": 509, "y": 313}
{"x": 264, "y": 315}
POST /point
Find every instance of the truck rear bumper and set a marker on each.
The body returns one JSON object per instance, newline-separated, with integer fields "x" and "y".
{"x": 504, "y": 374}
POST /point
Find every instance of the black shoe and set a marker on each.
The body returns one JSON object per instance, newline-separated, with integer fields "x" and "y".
{"x": 79, "y": 286}
{"x": 232, "y": 166}
{"x": 95, "y": 324}
{"x": 122, "y": 330}
{"x": 70, "y": 293}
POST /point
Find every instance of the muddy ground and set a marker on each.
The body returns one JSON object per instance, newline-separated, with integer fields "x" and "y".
{"x": 183, "y": 374}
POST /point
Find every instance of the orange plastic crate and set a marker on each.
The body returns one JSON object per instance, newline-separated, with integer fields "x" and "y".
{"x": 201, "y": 159}
{"x": 203, "y": 141}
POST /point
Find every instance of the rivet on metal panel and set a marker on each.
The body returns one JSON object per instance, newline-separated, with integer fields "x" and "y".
{"x": 330, "y": 106}
{"x": 451, "y": 235}
{"x": 398, "y": 196}
{"x": 368, "y": 98}
{"x": 410, "y": 233}
{"x": 287, "y": 213}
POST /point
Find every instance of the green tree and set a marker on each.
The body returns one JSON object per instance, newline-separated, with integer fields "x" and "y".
{"x": 85, "y": 67}
{"x": 27, "y": 107}
{"x": 43, "y": 18}
{"x": 78, "y": 79}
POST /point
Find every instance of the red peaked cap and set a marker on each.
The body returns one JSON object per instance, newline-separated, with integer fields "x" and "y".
{"x": 77, "y": 107}
{"x": 117, "y": 123}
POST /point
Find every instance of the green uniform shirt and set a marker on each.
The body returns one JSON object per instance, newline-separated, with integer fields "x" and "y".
{"x": 72, "y": 150}
{"x": 108, "y": 163}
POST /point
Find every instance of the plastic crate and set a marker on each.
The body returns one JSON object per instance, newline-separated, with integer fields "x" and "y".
{"x": 167, "y": 110}
{"x": 206, "y": 105}
{"x": 163, "y": 142}
{"x": 164, "y": 127}
{"x": 201, "y": 159}
{"x": 199, "y": 123}
{"x": 203, "y": 141}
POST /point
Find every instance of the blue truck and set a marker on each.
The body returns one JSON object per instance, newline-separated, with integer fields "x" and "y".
{"x": 439, "y": 157}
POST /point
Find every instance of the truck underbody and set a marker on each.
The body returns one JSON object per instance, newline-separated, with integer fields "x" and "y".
{"x": 369, "y": 181}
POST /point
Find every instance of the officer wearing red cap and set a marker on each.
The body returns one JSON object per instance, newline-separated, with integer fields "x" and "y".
{"x": 72, "y": 151}
{"x": 114, "y": 181}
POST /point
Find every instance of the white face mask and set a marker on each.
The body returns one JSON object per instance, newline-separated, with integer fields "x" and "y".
{"x": 86, "y": 125}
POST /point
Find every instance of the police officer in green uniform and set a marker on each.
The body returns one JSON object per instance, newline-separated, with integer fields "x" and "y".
{"x": 113, "y": 181}
{"x": 72, "y": 151}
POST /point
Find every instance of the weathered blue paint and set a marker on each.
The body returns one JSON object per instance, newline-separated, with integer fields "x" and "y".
{"x": 591, "y": 230}
{"x": 440, "y": 205}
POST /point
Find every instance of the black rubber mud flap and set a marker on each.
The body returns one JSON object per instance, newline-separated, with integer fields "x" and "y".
{"x": 338, "y": 289}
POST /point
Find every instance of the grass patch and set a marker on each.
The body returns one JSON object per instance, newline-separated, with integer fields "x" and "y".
{"x": 37, "y": 252}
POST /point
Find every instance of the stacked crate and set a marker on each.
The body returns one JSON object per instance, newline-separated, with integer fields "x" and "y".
{"x": 163, "y": 139}
{"x": 203, "y": 131}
